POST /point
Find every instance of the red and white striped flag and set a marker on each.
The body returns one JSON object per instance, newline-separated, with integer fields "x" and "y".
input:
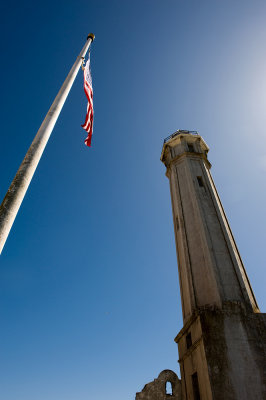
{"x": 88, "y": 124}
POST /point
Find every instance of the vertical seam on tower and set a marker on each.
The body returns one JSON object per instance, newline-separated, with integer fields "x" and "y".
{"x": 185, "y": 229}
{"x": 177, "y": 251}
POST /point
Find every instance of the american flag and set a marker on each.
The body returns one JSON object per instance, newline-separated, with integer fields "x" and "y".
{"x": 88, "y": 124}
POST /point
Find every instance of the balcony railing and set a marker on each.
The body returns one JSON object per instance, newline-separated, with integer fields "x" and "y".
{"x": 179, "y": 132}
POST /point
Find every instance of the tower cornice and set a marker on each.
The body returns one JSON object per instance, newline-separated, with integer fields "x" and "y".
{"x": 186, "y": 154}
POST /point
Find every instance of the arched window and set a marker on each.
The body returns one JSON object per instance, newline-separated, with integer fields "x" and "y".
{"x": 168, "y": 388}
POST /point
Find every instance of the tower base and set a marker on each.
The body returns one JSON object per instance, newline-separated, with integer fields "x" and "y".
{"x": 223, "y": 354}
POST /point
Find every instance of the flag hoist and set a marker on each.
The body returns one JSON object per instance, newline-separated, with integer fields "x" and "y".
{"x": 17, "y": 190}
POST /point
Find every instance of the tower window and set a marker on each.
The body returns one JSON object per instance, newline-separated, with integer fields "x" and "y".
{"x": 190, "y": 148}
{"x": 195, "y": 385}
{"x": 177, "y": 223}
{"x": 189, "y": 340}
{"x": 200, "y": 181}
{"x": 168, "y": 388}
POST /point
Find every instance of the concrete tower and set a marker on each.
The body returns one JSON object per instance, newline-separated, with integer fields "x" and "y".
{"x": 222, "y": 346}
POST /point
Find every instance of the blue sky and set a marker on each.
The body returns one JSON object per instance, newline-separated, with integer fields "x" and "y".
{"x": 89, "y": 287}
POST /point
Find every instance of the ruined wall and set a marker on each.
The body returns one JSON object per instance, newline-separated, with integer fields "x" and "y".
{"x": 156, "y": 390}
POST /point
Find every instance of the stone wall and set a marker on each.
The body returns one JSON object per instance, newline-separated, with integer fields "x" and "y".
{"x": 157, "y": 390}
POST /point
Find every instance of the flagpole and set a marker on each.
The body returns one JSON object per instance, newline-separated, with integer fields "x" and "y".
{"x": 18, "y": 188}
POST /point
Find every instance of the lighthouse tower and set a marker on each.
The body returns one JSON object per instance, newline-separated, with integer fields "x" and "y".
{"x": 222, "y": 345}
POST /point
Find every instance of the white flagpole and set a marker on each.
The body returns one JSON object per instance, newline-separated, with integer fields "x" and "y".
{"x": 17, "y": 190}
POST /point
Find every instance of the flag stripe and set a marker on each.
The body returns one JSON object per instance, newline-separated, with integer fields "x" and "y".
{"x": 88, "y": 124}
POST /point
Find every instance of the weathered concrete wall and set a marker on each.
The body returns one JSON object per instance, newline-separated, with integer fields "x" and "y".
{"x": 156, "y": 390}
{"x": 235, "y": 346}
{"x": 228, "y": 352}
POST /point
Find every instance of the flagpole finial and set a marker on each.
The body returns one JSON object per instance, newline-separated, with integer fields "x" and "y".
{"x": 91, "y": 36}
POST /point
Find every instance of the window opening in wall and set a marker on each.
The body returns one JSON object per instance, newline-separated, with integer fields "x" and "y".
{"x": 195, "y": 385}
{"x": 176, "y": 223}
{"x": 168, "y": 388}
{"x": 200, "y": 181}
{"x": 189, "y": 340}
{"x": 190, "y": 148}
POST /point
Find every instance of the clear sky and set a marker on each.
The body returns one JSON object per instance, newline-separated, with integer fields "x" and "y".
{"x": 89, "y": 293}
